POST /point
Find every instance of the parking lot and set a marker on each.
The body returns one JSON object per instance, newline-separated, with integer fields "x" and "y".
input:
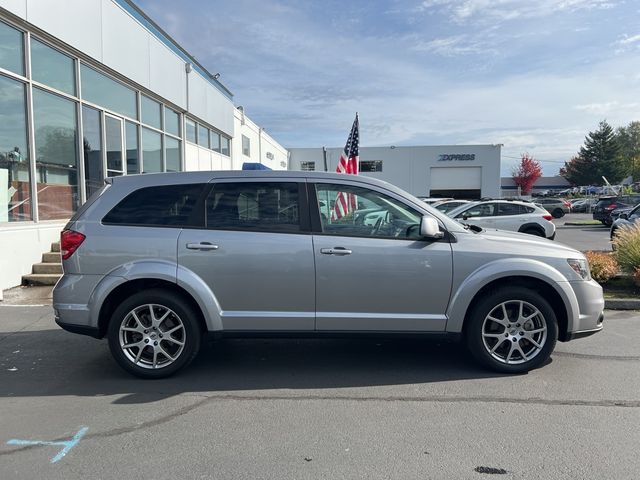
{"x": 317, "y": 409}
{"x": 582, "y": 237}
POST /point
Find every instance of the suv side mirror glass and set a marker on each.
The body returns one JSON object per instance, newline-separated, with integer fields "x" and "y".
{"x": 429, "y": 228}
{"x": 624, "y": 216}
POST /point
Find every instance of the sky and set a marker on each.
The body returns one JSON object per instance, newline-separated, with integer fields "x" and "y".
{"x": 535, "y": 76}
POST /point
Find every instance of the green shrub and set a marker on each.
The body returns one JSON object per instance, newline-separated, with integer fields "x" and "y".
{"x": 627, "y": 247}
{"x": 603, "y": 266}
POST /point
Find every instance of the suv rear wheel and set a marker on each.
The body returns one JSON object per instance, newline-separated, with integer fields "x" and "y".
{"x": 154, "y": 333}
{"x": 512, "y": 330}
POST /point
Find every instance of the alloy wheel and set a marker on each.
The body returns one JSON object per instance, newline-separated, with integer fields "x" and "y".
{"x": 514, "y": 332}
{"x": 152, "y": 336}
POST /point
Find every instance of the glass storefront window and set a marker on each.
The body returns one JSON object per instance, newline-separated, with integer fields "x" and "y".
{"x": 203, "y": 136}
{"x": 11, "y": 49}
{"x": 172, "y": 154}
{"x": 52, "y": 68}
{"x": 150, "y": 112}
{"x": 106, "y": 92}
{"x": 15, "y": 194}
{"x": 131, "y": 146}
{"x": 92, "y": 147}
{"x": 55, "y": 127}
{"x": 191, "y": 130}
{"x": 224, "y": 147}
{"x": 151, "y": 151}
{"x": 113, "y": 145}
{"x": 171, "y": 122}
{"x": 215, "y": 141}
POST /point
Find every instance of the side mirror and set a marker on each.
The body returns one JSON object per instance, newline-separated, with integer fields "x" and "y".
{"x": 624, "y": 216}
{"x": 429, "y": 228}
{"x": 465, "y": 217}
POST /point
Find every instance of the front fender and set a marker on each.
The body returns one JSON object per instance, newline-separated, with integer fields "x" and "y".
{"x": 505, "y": 268}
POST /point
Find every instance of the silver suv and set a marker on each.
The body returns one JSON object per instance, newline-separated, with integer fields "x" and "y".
{"x": 155, "y": 262}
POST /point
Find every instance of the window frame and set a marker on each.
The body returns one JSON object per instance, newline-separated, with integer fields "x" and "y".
{"x": 303, "y": 206}
{"x": 316, "y": 221}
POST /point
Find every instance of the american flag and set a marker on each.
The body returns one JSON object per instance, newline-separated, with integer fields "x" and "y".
{"x": 348, "y": 163}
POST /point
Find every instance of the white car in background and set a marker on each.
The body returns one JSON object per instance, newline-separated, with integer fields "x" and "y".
{"x": 515, "y": 216}
{"x": 448, "y": 205}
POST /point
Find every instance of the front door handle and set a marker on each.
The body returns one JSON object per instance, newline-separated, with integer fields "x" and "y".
{"x": 335, "y": 251}
{"x": 202, "y": 246}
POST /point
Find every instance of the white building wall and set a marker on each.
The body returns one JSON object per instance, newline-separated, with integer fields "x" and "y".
{"x": 264, "y": 148}
{"x": 410, "y": 167}
{"x": 106, "y": 32}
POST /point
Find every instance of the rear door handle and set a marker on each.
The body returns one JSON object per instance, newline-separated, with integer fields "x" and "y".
{"x": 202, "y": 246}
{"x": 335, "y": 251}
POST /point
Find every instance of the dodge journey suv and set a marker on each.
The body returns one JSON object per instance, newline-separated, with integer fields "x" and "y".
{"x": 156, "y": 262}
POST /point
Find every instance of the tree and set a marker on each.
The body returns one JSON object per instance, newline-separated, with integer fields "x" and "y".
{"x": 629, "y": 140}
{"x": 527, "y": 173}
{"x": 602, "y": 151}
{"x": 580, "y": 171}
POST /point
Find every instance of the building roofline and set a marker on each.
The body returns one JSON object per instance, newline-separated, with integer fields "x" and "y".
{"x": 167, "y": 40}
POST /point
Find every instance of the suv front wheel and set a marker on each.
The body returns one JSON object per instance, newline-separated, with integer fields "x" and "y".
{"x": 512, "y": 330}
{"x": 154, "y": 333}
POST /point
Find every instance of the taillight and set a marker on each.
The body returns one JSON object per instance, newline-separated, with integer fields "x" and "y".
{"x": 69, "y": 242}
{"x": 547, "y": 217}
{"x": 611, "y": 207}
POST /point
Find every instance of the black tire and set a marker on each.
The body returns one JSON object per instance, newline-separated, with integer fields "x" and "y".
{"x": 189, "y": 334}
{"x": 557, "y": 213}
{"x": 476, "y": 321}
{"x": 534, "y": 231}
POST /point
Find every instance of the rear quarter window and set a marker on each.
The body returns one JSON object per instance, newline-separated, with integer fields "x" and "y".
{"x": 158, "y": 206}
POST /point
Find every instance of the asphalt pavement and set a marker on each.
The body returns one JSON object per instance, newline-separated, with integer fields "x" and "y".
{"x": 582, "y": 237}
{"x": 309, "y": 409}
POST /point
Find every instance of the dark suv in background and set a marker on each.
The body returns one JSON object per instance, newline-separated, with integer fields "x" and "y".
{"x": 606, "y": 205}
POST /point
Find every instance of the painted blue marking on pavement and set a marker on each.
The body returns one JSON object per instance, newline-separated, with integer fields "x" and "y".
{"x": 67, "y": 445}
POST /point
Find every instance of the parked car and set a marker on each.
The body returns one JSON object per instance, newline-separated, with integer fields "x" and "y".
{"x": 556, "y": 206}
{"x": 606, "y": 205}
{"x": 516, "y": 216}
{"x": 625, "y": 218}
{"x": 154, "y": 262}
{"x": 449, "y": 205}
{"x": 583, "y": 205}
{"x": 433, "y": 200}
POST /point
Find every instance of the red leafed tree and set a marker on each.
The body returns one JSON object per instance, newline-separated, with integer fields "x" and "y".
{"x": 526, "y": 174}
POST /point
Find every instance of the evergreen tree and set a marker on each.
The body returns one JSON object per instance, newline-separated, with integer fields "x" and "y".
{"x": 602, "y": 150}
{"x": 629, "y": 141}
{"x": 579, "y": 172}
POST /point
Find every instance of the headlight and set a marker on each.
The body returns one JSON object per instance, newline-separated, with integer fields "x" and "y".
{"x": 581, "y": 267}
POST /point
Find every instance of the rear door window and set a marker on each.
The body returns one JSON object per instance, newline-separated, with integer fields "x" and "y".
{"x": 158, "y": 206}
{"x": 256, "y": 206}
{"x": 508, "y": 209}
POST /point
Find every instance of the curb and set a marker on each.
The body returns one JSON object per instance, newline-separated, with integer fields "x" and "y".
{"x": 577, "y": 224}
{"x": 621, "y": 304}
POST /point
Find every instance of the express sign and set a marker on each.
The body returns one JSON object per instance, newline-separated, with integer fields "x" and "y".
{"x": 459, "y": 157}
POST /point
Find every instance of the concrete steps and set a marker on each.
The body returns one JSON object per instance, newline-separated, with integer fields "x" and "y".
{"x": 47, "y": 272}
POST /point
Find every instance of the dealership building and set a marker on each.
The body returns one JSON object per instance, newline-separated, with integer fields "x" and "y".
{"x": 460, "y": 171}
{"x": 91, "y": 89}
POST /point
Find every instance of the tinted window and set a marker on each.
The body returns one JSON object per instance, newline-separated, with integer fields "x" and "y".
{"x": 161, "y": 206}
{"x": 150, "y": 112}
{"x": 360, "y": 212}
{"x": 11, "y": 53}
{"x": 254, "y": 206}
{"x": 509, "y": 209}
{"x": 191, "y": 130}
{"x": 151, "y": 151}
{"x": 106, "y": 92}
{"x": 203, "y": 136}
{"x": 171, "y": 122}
{"x": 52, "y": 68}
{"x": 482, "y": 210}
